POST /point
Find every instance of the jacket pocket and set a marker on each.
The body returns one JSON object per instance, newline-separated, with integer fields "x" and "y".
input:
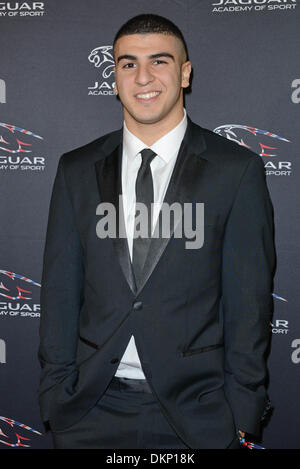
{"x": 88, "y": 342}
{"x": 208, "y": 348}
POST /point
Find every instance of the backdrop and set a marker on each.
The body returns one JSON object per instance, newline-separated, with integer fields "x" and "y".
{"x": 56, "y": 82}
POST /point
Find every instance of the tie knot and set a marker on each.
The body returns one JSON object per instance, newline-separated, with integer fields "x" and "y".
{"x": 147, "y": 156}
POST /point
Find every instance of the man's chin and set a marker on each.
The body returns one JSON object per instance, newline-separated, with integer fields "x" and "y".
{"x": 147, "y": 118}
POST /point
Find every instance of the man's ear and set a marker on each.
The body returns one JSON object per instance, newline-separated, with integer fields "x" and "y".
{"x": 186, "y": 70}
{"x": 115, "y": 89}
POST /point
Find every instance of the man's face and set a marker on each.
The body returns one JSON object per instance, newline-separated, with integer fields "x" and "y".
{"x": 151, "y": 73}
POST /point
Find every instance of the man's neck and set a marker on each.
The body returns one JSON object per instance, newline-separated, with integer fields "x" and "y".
{"x": 150, "y": 133}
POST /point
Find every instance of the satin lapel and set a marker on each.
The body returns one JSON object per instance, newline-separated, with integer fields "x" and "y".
{"x": 109, "y": 181}
{"x": 184, "y": 185}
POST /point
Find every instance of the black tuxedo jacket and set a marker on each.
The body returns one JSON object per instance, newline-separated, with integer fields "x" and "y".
{"x": 200, "y": 317}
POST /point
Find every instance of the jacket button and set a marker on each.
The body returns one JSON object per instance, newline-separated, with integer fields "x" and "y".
{"x": 137, "y": 305}
{"x": 114, "y": 360}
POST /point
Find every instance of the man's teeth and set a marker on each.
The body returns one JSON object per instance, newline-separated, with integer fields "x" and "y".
{"x": 148, "y": 95}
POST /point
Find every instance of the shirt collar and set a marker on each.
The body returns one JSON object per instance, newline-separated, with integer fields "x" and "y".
{"x": 166, "y": 147}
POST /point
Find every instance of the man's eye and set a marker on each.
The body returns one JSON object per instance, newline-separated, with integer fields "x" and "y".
{"x": 129, "y": 65}
{"x": 158, "y": 62}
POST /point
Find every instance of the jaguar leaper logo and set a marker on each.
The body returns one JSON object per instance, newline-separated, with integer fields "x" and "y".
{"x": 103, "y": 60}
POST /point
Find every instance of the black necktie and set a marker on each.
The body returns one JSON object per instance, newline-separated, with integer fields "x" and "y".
{"x": 144, "y": 194}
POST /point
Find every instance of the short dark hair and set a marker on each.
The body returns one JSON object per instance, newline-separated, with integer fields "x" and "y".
{"x": 149, "y": 23}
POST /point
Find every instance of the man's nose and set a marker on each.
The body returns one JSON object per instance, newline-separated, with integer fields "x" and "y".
{"x": 143, "y": 75}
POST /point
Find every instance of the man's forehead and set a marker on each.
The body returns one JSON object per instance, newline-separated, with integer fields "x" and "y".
{"x": 147, "y": 43}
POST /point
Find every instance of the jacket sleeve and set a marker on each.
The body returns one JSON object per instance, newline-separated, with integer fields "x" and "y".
{"x": 247, "y": 276}
{"x": 61, "y": 292}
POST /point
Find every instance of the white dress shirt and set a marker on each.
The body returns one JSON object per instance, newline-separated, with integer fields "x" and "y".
{"x": 166, "y": 149}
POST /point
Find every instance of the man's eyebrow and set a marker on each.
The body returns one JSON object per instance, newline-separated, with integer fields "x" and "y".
{"x": 153, "y": 56}
{"x": 126, "y": 56}
{"x": 162, "y": 54}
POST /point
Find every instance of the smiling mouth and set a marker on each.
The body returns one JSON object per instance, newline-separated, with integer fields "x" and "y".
{"x": 147, "y": 96}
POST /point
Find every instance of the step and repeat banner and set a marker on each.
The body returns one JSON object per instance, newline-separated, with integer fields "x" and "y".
{"x": 56, "y": 93}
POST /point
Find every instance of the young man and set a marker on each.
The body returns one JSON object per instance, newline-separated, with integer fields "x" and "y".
{"x": 145, "y": 342}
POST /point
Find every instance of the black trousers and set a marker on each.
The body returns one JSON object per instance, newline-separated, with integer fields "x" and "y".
{"x": 126, "y": 417}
